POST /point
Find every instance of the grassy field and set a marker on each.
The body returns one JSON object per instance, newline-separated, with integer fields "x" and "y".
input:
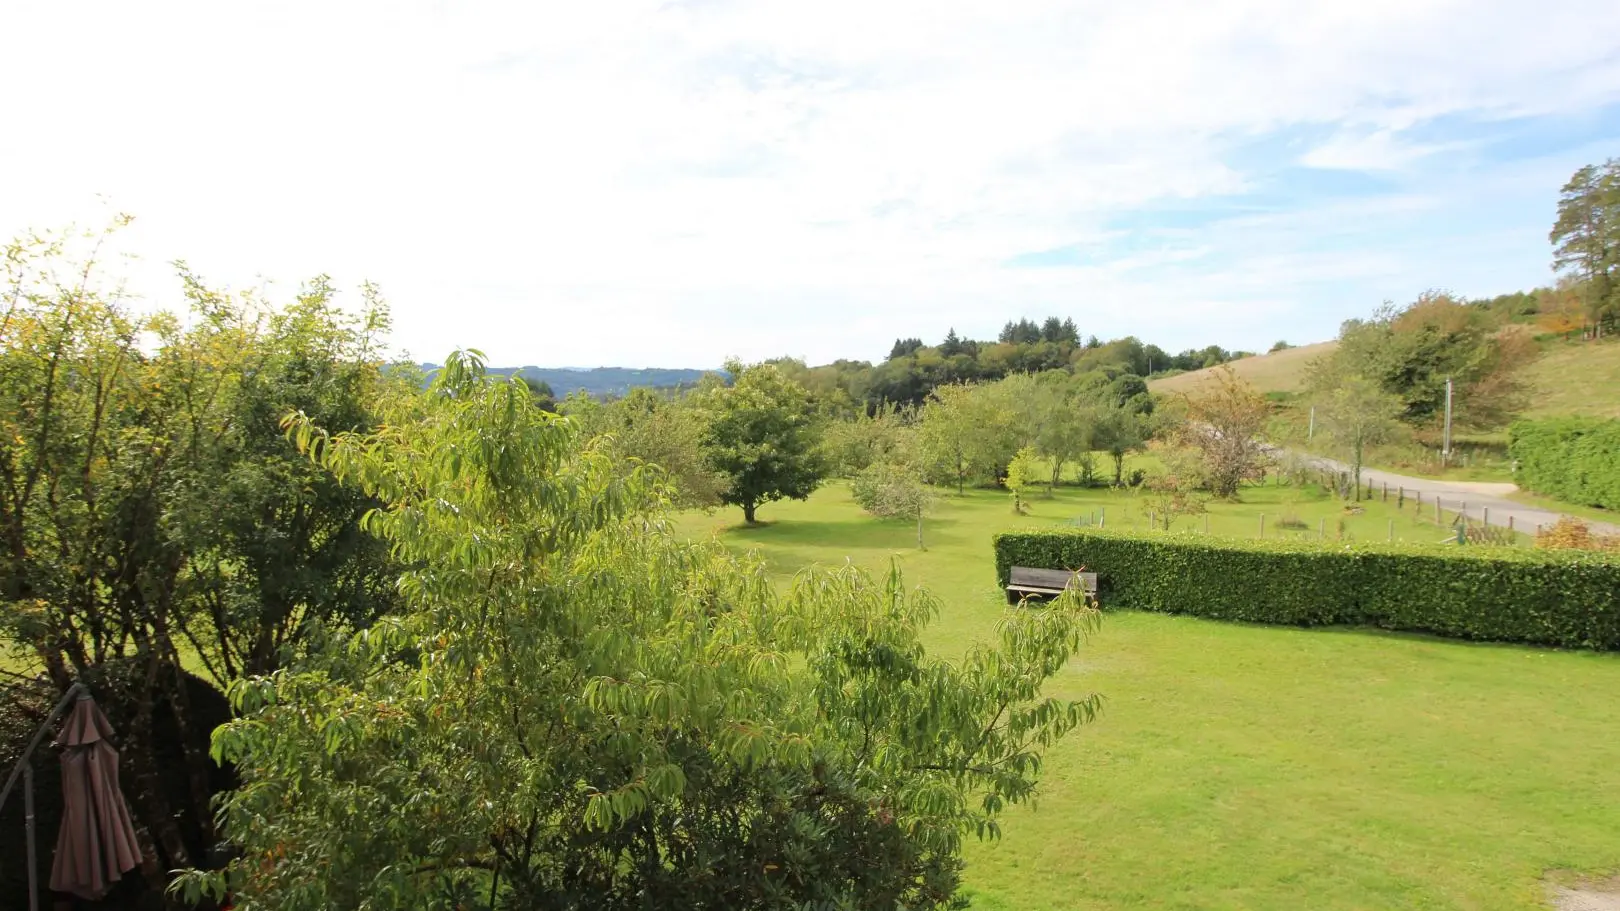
{"x": 1248, "y": 767}
{"x": 1576, "y": 378}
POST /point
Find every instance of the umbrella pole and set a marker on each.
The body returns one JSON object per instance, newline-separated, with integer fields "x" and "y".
{"x": 28, "y": 817}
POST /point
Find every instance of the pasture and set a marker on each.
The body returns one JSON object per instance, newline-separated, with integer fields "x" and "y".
{"x": 1249, "y": 767}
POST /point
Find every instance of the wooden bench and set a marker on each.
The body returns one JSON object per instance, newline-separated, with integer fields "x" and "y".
{"x": 1026, "y": 581}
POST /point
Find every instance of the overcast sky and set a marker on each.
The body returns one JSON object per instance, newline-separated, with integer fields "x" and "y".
{"x": 668, "y": 183}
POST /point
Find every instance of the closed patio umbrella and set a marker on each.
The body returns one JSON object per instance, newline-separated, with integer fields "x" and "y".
{"x": 97, "y": 843}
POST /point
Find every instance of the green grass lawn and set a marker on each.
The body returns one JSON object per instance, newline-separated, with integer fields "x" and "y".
{"x": 1250, "y": 767}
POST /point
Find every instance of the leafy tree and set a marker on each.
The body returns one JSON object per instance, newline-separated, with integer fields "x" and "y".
{"x": 581, "y": 709}
{"x": 1224, "y": 423}
{"x": 150, "y": 510}
{"x": 1586, "y": 235}
{"x": 647, "y": 428}
{"x": 904, "y": 347}
{"x": 1279, "y": 346}
{"x": 540, "y": 392}
{"x": 967, "y": 434}
{"x": 1411, "y": 352}
{"x": 852, "y": 446}
{"x": 761, "y": 436}
{"x": 1021, "y": 474}
{"x": 1356, "y": 412}
{"x": 1119, "y": 431}
{"x": 894, "y": 490}
{"x": 1065, "y": 432}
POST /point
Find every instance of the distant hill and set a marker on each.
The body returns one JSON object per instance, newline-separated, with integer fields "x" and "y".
{"x": 597, "y": 381}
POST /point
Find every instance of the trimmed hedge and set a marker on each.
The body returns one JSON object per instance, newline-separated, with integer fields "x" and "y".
{"x": 1573, "y": 459}
{"x": 1565, "y": 598}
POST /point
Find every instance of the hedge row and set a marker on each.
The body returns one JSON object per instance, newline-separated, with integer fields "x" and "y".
{"x": 1552, "y": 598}
{"x": 1574, "y": 459}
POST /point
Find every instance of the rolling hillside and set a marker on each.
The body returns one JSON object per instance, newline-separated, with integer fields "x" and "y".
{"x": 1568, "y": 378}
{"x": 1281, "y": 371}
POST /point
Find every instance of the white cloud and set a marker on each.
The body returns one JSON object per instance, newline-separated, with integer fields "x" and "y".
{"x": 669, "y": 183}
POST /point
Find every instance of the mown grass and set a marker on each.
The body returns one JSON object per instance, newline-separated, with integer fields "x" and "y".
{"x": 1248, "y": 767}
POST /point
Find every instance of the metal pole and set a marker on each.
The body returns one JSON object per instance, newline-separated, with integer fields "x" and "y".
{"x": 1311, "y": 431}
{"x": 28, "y": 815}
{"x": 1445, "y": 446}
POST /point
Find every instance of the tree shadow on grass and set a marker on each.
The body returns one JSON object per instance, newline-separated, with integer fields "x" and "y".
{"x": 1375, "y": 632}
{"x": 883, "y": 534}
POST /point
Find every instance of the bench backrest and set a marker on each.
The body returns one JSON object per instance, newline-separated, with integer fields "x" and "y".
{"x": 1052, "y": 578}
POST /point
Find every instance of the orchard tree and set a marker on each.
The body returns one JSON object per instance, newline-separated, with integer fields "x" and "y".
{"x": 1224, "y": 422}
{"x": 761, "y": 435}
{"x": 967, "y": 433}
{"x": 1021, "y": 473}
{"x": 581, "y": 709}
{"x": 645, "y": 427}
{"x": 1065, "y": 432}
{"x": 891, "y": 490}
{"x": 1356, "y": 413}
{"x": 1119, "y": 431}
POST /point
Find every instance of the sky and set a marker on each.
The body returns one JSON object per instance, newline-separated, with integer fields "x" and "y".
{"x": 674, "y": 183}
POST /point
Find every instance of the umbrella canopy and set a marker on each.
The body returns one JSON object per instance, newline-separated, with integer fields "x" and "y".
{"x": 97, "y": 843}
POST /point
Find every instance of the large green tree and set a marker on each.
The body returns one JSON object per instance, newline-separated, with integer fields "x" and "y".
{"x": 581, "y": 709}
{"x": 1586, "y": 236}
{"x": 762, "y": 435}
{"x": 1411, "y": 352}
{"x": 967, "y": 434}
{"x": 152, "y": 514}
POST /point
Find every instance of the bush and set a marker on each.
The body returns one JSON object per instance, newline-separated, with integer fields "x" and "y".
{"x": 1572, "y": 459}
{"x": 1553, "y": 598}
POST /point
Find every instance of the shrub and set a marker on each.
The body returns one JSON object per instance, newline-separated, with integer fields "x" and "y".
{"x": 1573, "y": 459}
{"x": 1572, "y": 534}
{"x": 1554, "y": 598}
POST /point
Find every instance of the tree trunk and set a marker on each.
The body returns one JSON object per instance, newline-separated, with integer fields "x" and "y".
{"x": 748, "y": 512}
{"x": 919, "y": 531}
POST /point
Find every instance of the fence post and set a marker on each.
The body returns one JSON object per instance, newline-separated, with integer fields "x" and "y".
{"x": 1510, "y": 522}
{"x": 1206, "y": 523}
{"x": 1437, "y": 519}
{"x": 1386, "y": 491}
{"x": 1400, "y": 499}
{"x": 1262, "y": 525}
{"x": 1485, "y": 517}
{"x": 1102, "y": 516}
{"x": 1321, "y": 529}
{"x": 1392, "y": 531}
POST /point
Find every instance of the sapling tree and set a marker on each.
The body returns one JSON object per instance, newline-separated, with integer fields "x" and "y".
{"x": 892, "y": 490}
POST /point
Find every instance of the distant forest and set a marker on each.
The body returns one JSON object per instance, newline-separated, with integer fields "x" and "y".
{"x": 914, "y": 368}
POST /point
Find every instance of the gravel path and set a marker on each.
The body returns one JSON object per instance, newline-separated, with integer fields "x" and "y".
{"x": 1473, "y": 498}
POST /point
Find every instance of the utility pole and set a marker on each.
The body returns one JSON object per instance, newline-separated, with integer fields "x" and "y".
{"x": 1445, "y": 442}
